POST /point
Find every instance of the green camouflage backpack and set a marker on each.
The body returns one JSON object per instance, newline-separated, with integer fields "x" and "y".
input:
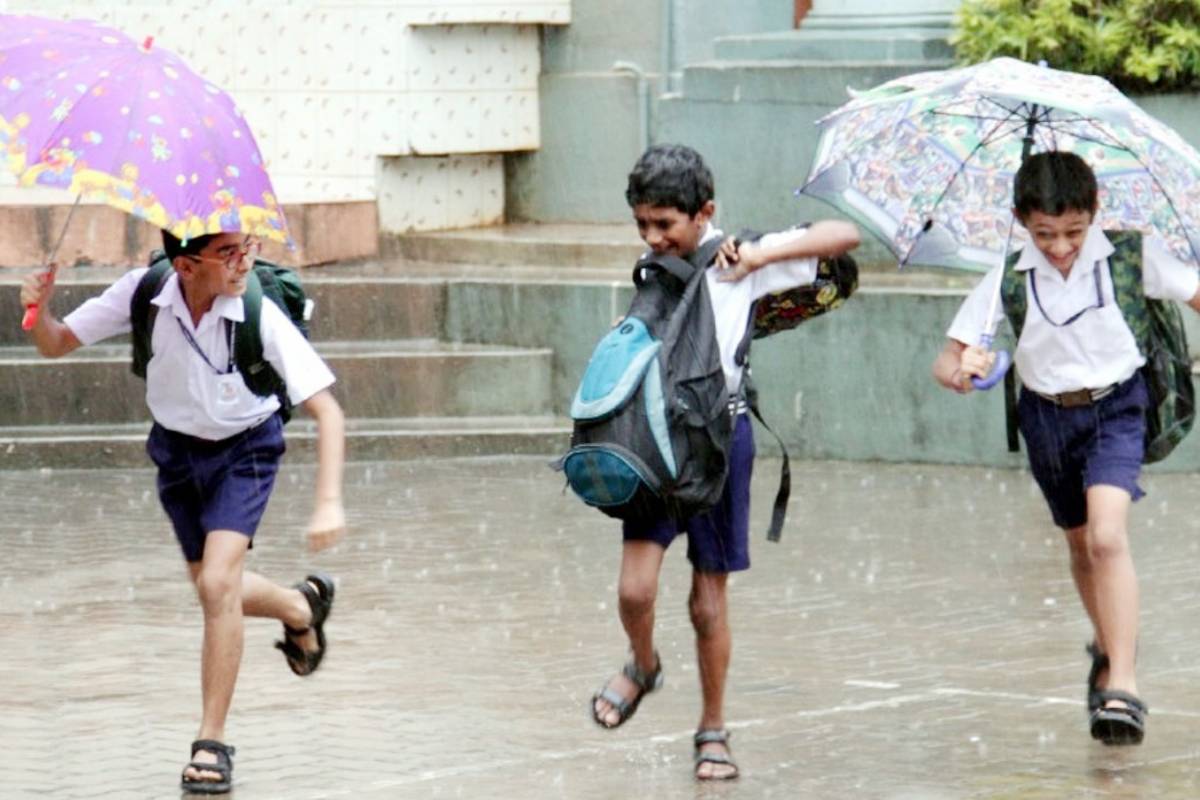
{"x": 279, "y": 284}
{"x": 1157, "y": 328}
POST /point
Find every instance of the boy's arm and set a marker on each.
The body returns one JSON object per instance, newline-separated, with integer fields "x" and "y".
{"x": 824, "y": 238}
{"x": 52, "y": 337}
{"x": 1195, "y": 301}
{"x": 328, "y": 523}
{"x": 958, "y": 363}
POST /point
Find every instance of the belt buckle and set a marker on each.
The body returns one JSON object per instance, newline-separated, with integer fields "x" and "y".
{"x": 1075, "y": 399}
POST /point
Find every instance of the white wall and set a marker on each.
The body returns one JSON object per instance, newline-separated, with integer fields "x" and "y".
{"x": 331, "y": 87}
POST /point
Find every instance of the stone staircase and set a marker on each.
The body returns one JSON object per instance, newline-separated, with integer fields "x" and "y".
{"x": 410, "y": 387}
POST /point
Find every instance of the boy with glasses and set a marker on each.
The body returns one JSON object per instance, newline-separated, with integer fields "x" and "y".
{"x": 217, "y": 446}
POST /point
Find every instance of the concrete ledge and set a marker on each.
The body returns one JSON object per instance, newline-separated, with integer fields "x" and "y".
{"x": 564, "y": 245}
{"x": 374, "y": 379}
{"x": 109, "y": 446}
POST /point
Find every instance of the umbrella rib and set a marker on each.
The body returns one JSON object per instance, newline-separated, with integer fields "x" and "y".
{"x": 1116, "y": 143}
{"x": 962, "y": 166}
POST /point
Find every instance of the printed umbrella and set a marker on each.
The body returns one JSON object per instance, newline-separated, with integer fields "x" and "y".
{"x": 926, "y": 163}
{"x": 86, "y": 109}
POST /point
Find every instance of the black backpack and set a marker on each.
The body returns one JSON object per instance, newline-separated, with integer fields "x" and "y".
{"x": 279, "y": 284}
{"x": 653, "y": 418}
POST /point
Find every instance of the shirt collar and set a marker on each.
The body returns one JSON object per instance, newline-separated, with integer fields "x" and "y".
{"x": 171, "y": 297}
{"x": 1096, "y": 247}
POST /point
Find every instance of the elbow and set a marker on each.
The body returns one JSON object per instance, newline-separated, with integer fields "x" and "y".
{"x": 850, "y": 235}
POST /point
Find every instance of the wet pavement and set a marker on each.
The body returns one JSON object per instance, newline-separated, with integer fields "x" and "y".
{"x": 914, "y": 637}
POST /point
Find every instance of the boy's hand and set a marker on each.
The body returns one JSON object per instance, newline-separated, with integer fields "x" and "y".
{"x": 735, "y": 260}
{"x": 975, "y": 362}
{"x": 38, "y": 287}
{"x": 327, "y": 526}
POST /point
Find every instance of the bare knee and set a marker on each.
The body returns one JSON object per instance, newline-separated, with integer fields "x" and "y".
{"x": 637, "y": 597}
{"x": 219, "y": 589}
{"x": 1098, "y": 542}
{"x": 707, "y": 610}
{"x": 1107, "y": 541}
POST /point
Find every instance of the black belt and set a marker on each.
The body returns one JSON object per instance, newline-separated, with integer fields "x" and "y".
{"x": 1080, "y": 397}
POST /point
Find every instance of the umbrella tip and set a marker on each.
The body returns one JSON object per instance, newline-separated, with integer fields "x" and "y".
{"x": 147, "y": 44}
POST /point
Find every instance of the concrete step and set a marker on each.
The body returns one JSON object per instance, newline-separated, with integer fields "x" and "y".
{"x": 904, "y": 45}
{"x": 91, "y": 446}
{"x": 384, "y": 378}
{"x": 872, "y": 21}
{"x": 351, "y": 303}
{"x": 798, "y": 81}
{"x": 564, "y": 246}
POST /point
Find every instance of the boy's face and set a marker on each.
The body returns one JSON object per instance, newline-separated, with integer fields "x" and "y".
{"x": 221, "y": 267}
{"x": 1059, "y": 238}
{"x": 669, "y": 231}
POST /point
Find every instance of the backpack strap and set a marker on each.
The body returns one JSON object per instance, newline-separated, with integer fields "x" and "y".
{"x": 750, "y": 393}
{"x": 779, "y": 509}
{"x": 1015, "y": 301}
{"x": 143, "y": 313}
{"x": 1125, "y": 271}
{"x": 256, "y": 371}
{"x": 683, "y": 270}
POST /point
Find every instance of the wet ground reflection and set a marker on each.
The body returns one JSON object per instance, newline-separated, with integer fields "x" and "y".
{"x": 915, "y": 635}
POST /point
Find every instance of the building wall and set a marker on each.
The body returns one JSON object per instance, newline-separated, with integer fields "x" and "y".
{"x": 594, "y": 117}
{"x": 347, "y": 100}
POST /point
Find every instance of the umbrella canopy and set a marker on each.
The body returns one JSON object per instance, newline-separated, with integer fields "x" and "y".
{"x": 85, "y": 108}
{"x": 926, "y": 162}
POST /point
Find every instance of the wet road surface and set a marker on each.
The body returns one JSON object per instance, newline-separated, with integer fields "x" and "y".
{"x": 914, "y": 637}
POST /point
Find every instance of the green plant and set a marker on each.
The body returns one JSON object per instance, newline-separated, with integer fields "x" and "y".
{"x": 1139, "y": 45}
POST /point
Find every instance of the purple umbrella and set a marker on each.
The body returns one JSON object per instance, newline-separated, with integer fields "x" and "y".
{"x": 85, "y": 108}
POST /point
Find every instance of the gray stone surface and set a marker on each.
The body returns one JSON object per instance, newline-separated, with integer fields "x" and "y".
{"x": 915, "y": 636}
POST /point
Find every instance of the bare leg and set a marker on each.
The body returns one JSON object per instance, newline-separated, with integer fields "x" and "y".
{"x": 1107, "y": 567}
{"x": 636, "y": 593}
{"x": 262, "y": 598}
{"x": 218, "y": 581}
{"x": 709, "y": 608}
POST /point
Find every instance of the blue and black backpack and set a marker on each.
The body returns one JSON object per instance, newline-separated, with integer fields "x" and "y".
{"x": 653, "y": 418}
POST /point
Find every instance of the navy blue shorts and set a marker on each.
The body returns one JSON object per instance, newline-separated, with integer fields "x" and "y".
{"x": 718, "y": 540}
{"x": 1073, "y": 449}
{"x": 215, "y": 486}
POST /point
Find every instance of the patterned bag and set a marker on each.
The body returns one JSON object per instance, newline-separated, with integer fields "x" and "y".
{"x": 836, "y": 280}
{"x": 1157, "y": 328}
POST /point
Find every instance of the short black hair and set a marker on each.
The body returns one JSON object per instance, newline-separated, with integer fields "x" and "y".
{"x": 174, "y": 248}
{"x": 670, "y": 176}
{"x": 1054, "y": 183}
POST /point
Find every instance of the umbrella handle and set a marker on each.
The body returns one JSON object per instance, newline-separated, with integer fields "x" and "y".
{"x": 30, "y": 318}
{"x": 1003, "y": 362}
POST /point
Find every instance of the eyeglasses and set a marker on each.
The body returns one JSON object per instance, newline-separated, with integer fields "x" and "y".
{"x": 231, "y": 259}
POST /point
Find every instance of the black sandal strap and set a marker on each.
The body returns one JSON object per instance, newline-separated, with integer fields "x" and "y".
{"x": 213, "y": 746}
{"x": 645, "y": 681}
{"x": 1132, "y": 702}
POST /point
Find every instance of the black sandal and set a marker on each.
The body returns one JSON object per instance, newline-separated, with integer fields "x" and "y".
{"x": 223, "y": 767}
{"x": 714, "y": 736}
{"x": 1099, "y": 664}
{"x": 625, "y": 707}
{"x": 318, "y": 590}
{"x": 1119, "y": 725}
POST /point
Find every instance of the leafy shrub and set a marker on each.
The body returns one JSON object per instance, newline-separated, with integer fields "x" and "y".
{"x": 1139, "y": 45}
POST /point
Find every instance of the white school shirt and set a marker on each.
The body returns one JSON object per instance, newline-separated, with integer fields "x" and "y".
{"x": 731, "y": 301}
{"x": 1097, "y": 349}
{"x": 181, "y": 388}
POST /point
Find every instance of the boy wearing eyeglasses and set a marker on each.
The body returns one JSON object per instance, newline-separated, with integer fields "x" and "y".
{"x": 217, "y": 446}
{"x": 1082, "y": 410}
